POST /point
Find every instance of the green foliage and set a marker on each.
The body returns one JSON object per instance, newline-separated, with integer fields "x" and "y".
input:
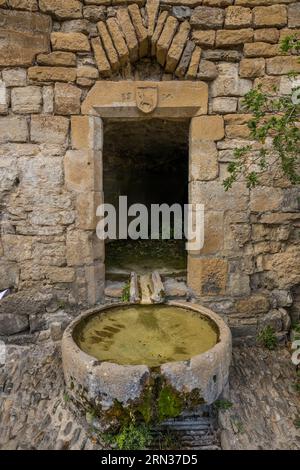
{"x": 274, "y": 126}
{"x": 126, "y": 292}
{"x": 170, "y": 404}
{"x": 297, "y": 423}
{"x": 169, "y": 440}
{"x": 223, "y": 405}
{"x": 131, "y": 437}
{"x": 268, "y": 338}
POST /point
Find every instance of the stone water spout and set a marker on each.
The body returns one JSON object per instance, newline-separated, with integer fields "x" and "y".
{"x": 146, "y": 288}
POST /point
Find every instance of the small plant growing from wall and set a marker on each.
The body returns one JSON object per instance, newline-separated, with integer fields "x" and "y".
{"x": 268, "y": 338}
{"x": 274, "y": 126}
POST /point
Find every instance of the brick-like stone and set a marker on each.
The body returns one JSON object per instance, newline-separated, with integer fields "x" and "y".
{"x": 49, "y": 129}
{"x": 207, "y": 276}
{"x": 67, "y": 99}
{"x": 294, "y": 15}
{"x": 266, "y": 35}
{"x": 94, "y": 13}
{"x": 13, "y": 129}
{"x": 274, "y": 15}
{"x": 73, "y": 42}
{"x": 62, "y": 9}
{"x": 100, "y": 57}
{"x": 129, "y": 33}
{"x": 185, "y": 60}
{"x": 207, "y": 18}
{"x": 26, "y": 100}
{"x": 238, "y": 17}
{"x": 3, "y": 98}
{"x": 165, "y": 39}
{"x": 237, "y": 131}
{"x": 282, "y": 65}
{"x": 177, "y": 46}
{"x": 228, "y": 82}
{"x": 194, "y": 64}
{"x": 140, "y": 30}
{"x": 266, "y": 198}
{"x": 251, "y": 68}
{"x": 109, "y": 48}
{"x": 14, "y": 77}
{"x": 86, "y": 208}
{"x": 57, "y": 58}
{"x": 207, "y": 128}
{"x": 118, "y": 40}
{"x": 224, "y": 105}
{"x": 207, "y": 70}
{"x": 48, "y": 99}
{"x": 236, "y": 37}
{"x": 203, "y": 160}
{"x": 214, "y": 197}
{"x": 52, "y": 74}
{"x": 81, "y": 170}
{"x": 157, "y": 31}
{"x": 261, "y": 49}
{"x": 204, "y": 38}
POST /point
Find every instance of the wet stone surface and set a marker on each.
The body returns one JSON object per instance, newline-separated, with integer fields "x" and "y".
{"x": 35, "y": 412}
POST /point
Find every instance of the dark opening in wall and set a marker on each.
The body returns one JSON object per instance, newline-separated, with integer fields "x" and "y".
{"x": 147, "y": 161}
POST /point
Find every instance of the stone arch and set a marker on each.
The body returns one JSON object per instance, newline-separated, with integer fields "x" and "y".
{"x": 133, "y": 34}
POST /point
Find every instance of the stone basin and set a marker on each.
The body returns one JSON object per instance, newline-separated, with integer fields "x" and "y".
{"x": 152, "y": 362}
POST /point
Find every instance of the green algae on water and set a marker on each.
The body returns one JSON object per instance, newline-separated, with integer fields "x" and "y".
{"x": 150, "y": 335}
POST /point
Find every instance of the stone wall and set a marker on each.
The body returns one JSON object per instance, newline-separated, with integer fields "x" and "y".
{"x": 51, "y": 54}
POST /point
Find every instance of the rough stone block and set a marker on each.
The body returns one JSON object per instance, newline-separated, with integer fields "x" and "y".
{"x": 3, "y": 98}
{"x": 185, "y": 60}
{"x": 14, "y": 77}
{"x": 129, "y": 33}
{"x": 57, "y": 58}
{"x": 266, "y": 35}
{"x": 266, "y": 198}
{"x": 118, "y": 40}
{"x": 11, "y": 324}
{"x": 140, "y": 30}
{"x": 252, "y": 68}
{"x": 204, "y": 38}
{"x": 238, "y": 17}
{"x": 225, "y": 38}
{"x": 165, "y": 39}
{"x": 261, "y": 49}
{"x": 207, "y": 70}
{"x": 203, "y": 160}
{"x": 158, "y": 30}
{"x": 52, "y": 74}
{"x": 62, "y": 9}
{"x": 177, "y": 46}
{"x": 13, "y": 129}
{"x": 207, "y": 276}
{"x": 194, "y": 64}
{"x": 228, "y": 82}
{"x": 214, "y": 197}
{"x": 224, "y": 105}
{"x": 100, "y": 57}
{"x": 282, "y": 65}
{"x": 73, "y": 42}
{"x": 207, "y": 128}
{"x": 274, "y": 15}
{"x": 82, "y": 170}
{"x": 294, "y": 15}
{"x": 49, "y": 129}
{"x": 26, "y": 100}
{"x": 67, "y": 99}
{"x": 207, "y": 18}
{"x": 109, "y": 48}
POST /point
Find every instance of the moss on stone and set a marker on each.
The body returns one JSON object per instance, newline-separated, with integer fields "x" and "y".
{"x": 169, "y": 404}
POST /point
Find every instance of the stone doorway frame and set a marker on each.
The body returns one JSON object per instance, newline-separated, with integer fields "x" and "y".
{"x": 127, "y": 100}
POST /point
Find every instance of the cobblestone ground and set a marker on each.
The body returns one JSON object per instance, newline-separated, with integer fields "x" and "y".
{"x": 34, "y": 413}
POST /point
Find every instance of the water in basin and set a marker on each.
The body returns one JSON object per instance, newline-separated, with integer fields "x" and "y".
{"x": 151, "y": 335}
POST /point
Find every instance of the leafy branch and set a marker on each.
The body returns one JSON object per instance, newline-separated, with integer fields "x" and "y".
{"x": 275, "y": 127}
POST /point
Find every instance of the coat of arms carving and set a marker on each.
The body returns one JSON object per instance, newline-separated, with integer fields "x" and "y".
{"x": 147, "y": 98}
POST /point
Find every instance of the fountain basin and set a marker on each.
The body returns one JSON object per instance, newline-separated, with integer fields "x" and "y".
{"x": 149, "y": 362}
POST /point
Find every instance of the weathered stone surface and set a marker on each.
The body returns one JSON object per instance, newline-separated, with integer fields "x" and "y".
{"x": 238, "y": 17}
{"x": 237, "y": 131}
{"x": 11, "y": 324}
{"x": 185, "y": 60}
{"x": 268, "y": 85}
{"x": 94, "y": 13}
{"x": 81, "y": 247}
{"x": 203, "y": 160}
{"x": 13, "y": 129}
{"x": 129, "y": 33}
{"x": 207, "y": 276}
{"x": 109, "y": 48}
{"x": 30, "y": 5}
{"x": 79, "y": 26}
{"x": 14, "y": 77}
{"x": 81, "y": 170}
{"x": 207, "y": 128}
{"x": 274, "y": 15}
{"x": 3, "y": 98}
{"x": 207, "y": 18}
{"x": 294, "y": 15}
{"x": 52, "y": 74}
{"x": 165, "y": 39}
{"x": 26, "y": 100}
{"x": 152, "y": 9}
{"x": 204, "y": 38}
{"x": 118, "y": 40}
{"x": 177, "y": 46}
{"x": 67, "y": 99}
{"x": 251, "y": 68}
{"x": 74, "y": 42}
{"x": 233, "y": 37}
{"x": 49, "y": 129}
{"x": 224, "y": 55}
{"x": 62, "y": 9}
{"x": 214, "y": 197}
{"x": 207, "y": 70}
{"x": 87, "y": 71}
{"x": 224, "y": 105}
{"x": 100, "y": 57}
{"x": 157, "y": 31}
{"x": 282, "y": 65}
{"x": 283, "y": 270}
{"x": 57, "y": 58}
{"x": 266, "y": 199}
{"x": 194, "y": 64}
{"x": 140, "y": 30}
{"x": 266, "y": 35}
{"x": 254, "y": 304}
{"x": 228, "y": 82}
{"x": 86, "y": 208}
{"x": 22, "y": 36}
{"x": 261, "y": 49}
